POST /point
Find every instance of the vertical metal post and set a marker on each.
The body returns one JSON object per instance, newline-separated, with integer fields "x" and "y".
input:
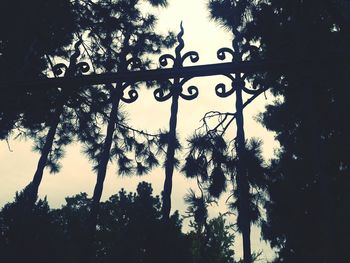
{"x": 175, "y": 92}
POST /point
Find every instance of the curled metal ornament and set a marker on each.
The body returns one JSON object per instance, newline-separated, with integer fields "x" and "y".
{"x": 221, "y": 53}
{"x": 161, "y": 96}
{"x": 134, "y": 63}
{"x": 175, "y": 88}
{"x": 132, "y": 96}
{"x": 163, "y": 60}
{"x": 80, "y": 68}
{"x": 192, "y": 93}
{"x": 59, "y": 69}
{"x": 221, "y": 91}
{"x": 193, "y": 55}
{"x": 251, "y": 49}
{"x": 250, "y": 91}
{"x": 257, "y": 85}
{"x": 83, "y": 67}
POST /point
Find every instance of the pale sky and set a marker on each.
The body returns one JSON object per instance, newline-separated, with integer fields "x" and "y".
{"x": 201, "y": 35}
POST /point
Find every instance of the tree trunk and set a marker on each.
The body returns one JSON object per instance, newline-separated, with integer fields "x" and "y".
{"x": 170, "y": 156}
{"x": 103, "y": 162}
{"x": 33, "y": 187}
{"x": 89, "y": 256}
{"x": 242, "y": 175}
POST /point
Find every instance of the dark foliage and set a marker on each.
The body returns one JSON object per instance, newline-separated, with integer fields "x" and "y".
{"x": 27, "y": 232}
{"x": 213, "y": 245}
{"x": 129, "y": 229}
{"x": 30, "y": 33}
{"x": 210, "y": 160}
{"x": 308, "y": 211}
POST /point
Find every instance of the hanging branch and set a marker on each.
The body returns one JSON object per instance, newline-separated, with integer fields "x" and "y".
{"x": 224, "y": 116}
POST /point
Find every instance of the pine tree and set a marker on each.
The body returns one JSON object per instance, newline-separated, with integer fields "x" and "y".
{"x": 307, "y": 213}
{"x": 43, "y": 31}
{"x": 234, "y": 15}
{"x": 121, "y": 37}
{"x": 30, "y": 33}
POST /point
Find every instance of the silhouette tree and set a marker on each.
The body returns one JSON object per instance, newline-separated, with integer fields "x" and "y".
{"x": 59, "y": 132}
{"x": 133, "y": 231}
{"x": 234, "y": 15}
{"x": 212, "y": 240}
{"x": 214, "y": 244}
{"x": 81, "y": 105}
{"x": 213, "y": 162}
{"x": 129, "y": 229}
{"x": 30, "y": 33}
{"x": 122, "y": 38}
{"x": 27, "y": 233}
{"x": 70, "y": 220}
{"x": 43, "y": 31}
{"x": 307, "y": 213}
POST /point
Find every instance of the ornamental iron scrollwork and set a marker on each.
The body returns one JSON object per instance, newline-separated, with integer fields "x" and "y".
{"x": 61, "y": 69}
{"x": 132, "y": 94}
{"x": 74, "y": 68}
{"x": 241, "y": 49}
{"x": 170, "y": 88}
{"x": 81, "y": 68}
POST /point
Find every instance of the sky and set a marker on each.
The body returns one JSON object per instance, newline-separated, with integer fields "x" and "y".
{"x": 202, "y": 35}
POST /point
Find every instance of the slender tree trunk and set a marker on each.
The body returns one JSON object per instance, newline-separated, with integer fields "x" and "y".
{"x": 116, "y": 95}
{"x": 89, "y": 254}
{"x": 33, "y": 187}
{"x": 170, "y": 156}
{"x": 242, "y": 176}
{"x": 103, "y": 162}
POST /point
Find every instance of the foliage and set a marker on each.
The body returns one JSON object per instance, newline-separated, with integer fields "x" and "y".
{"x": 214, "y": 244}
{"x": 133, "y": 231}
{"x": 307, "y": 215}
{"x": 119, "y": 36}
{"x": 231, "y": 14}
{"x": 213, "y": 162}
{"x": 30, "y": 32}
{"x": 209, "y": 160}
{"x": 129, "y": 230}
{"x": 27, "y": 232}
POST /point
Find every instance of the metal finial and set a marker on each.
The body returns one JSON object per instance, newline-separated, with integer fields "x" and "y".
{"x": 181, "y": 44}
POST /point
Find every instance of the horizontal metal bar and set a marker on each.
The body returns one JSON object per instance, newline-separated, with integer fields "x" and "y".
{"x": 170, "y": 73}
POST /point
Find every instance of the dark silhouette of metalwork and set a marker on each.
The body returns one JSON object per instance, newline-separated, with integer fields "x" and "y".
{"x": 240, "y": 47}
{"x": 174, "y": 78}
{"x": 186, "y": 71}
{"x": 175, "y": 91}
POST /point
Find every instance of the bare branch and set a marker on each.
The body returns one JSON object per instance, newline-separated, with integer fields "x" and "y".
{"x": 8, "y": 145}
{"x": 137, "y": 131}
{"x": 224, "y": 115}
